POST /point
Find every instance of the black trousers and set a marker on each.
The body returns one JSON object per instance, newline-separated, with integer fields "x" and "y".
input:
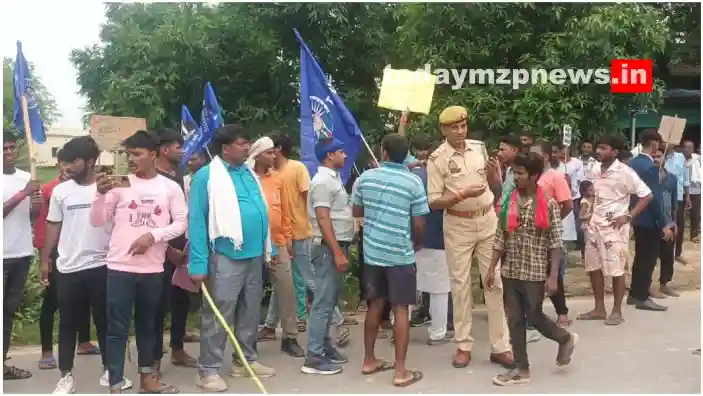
{"x": 424, "y": 310}
{"x": 666, "y": 261}
{"x": 78, "y": 289}
{"x": 523, "y": 301}
{"x": 176, "y": 301}
{"x": 680, "y": 223}
{"x": 14, "y": 275}
{"x": 647, "y": 250}
{"x": 386, "y": 315}
{"x": 695, "y": 215}
{"x": 49, "y": 306}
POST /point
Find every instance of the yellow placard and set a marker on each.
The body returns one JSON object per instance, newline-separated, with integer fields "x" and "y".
{"x": 404, "y": 89}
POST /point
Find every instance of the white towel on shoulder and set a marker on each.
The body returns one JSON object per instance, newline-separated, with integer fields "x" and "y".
{"x": 224, "y": 218}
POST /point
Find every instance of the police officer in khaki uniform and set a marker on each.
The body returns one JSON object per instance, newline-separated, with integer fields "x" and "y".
{"x": 459, "y": 175}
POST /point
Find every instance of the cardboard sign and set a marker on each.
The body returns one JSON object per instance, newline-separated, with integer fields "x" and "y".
{"x": 671, "y": 129}
{"x": 404, "y": 89}
{"x": 566, "y": 135}
{"x": 109, "y": 131}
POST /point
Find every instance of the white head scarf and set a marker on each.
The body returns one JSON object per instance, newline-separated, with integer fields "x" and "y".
{"x": 259, "y": 146}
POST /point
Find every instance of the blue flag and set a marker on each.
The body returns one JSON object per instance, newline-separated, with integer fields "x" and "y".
{"x": 323, "y": 115}
{"x": 192, "y": 134}
{"x": 211, "y": 116}
{"x": 23, "y": 87}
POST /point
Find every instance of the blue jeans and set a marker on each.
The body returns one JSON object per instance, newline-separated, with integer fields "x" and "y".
{"x": 303, "y": 278}
{"x": 328, "y": 286}
{"x": 131, "y": 294}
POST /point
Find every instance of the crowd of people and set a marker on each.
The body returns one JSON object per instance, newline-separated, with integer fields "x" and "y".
{"x": 124, "y": 249}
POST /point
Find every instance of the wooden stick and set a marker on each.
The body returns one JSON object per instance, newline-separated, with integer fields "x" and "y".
{"x": 28, "y": 137}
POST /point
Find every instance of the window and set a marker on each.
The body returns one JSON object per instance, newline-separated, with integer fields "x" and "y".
{"x": 54, "y": 151}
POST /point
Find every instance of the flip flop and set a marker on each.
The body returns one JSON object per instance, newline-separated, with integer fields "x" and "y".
{"x": 589, "y": 316}
{"x": 163, "y": 390}
{"x": 614, "y": 320}
{"x": 14, "y": 373}
{"x": 343, "y": 339}
{"x": 95, "y": 350}
{"x": 47, "y": 363}
{"x": 415, "y": 376}
{"x": 190, "y": 362}
{"x": 350, "y": 321}
{"x": 384, "y": 366}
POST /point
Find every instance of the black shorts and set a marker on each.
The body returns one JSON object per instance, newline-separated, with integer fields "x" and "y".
{"x": 396, "y": 284}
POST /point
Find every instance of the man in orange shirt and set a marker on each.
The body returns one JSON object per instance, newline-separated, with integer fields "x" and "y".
{"x": 262, "y": 157}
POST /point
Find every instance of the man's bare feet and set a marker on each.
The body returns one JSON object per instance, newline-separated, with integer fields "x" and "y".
{"x": 563, "y": 321}
{"x": 592, "y": 315}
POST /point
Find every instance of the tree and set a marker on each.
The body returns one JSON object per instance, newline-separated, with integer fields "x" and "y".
{"x": 155, "y": 57}
{"x": 47, "y": 103}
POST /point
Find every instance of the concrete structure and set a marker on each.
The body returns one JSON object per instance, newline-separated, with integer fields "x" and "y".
{"x": 55, "y": 139}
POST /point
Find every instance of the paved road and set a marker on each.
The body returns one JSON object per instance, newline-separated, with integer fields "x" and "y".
{"x": 650, "y": 353}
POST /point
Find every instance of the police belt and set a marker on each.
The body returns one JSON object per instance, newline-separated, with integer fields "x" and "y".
{"x": 321, "y": 241}
{"x": 467, "y": 214}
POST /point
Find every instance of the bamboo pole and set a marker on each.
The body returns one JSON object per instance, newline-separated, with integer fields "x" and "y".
{"x": 28, "y": 137}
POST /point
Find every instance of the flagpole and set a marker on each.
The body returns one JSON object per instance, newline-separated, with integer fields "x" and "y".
{"x": 369, "y": 148}
{"x": 28, "y": 137}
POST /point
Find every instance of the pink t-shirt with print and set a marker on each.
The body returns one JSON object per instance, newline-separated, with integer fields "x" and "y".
{"x": 155, "y": 205}
{"x": 554, "y": 184}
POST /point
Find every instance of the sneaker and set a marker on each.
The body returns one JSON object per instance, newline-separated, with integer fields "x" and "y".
{"x": 211, "y": 383}
{"x": 259, "y": 369}
{"x": 532, "y": 336}
{"x": 105, "y": 381}
{"x": 65, "y": 386}
{"x": 335, "y": 356}
{"x": 320, "y": 365}
{"x": 448, "y": 336}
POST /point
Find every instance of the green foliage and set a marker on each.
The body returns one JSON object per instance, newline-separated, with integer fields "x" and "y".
{"x": 154, "y": 57}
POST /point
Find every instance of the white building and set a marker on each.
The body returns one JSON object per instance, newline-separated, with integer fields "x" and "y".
{"x": 55, "y": 139}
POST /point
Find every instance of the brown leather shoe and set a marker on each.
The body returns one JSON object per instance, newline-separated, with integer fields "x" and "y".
{"x": 461, "y": 359}
{"x": 505, "y": 359}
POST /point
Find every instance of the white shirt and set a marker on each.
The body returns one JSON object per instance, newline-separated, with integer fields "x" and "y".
{"x": 693, "y": 167}
{"x": 81, "y": 246}
{"x": 575, "y": 170}
{"x": 589, "y": 167}
{"x": 17, "y": 226}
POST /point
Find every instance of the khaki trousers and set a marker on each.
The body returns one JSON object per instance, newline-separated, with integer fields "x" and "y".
{"x": 464, "y": 239}
{"x": 282, "y": 279}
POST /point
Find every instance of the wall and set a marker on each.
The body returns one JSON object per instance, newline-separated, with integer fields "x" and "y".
{"x": 55, "y": 139}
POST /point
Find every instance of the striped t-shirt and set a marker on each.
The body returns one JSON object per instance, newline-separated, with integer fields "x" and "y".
{"x": 390, "y": 195}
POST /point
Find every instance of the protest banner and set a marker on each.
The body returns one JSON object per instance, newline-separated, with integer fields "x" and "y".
{"x": 671, "y": 129}
{"x": 109, "y": 131}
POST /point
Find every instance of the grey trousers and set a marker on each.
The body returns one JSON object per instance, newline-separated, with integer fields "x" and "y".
{"x": 236, "y": 288}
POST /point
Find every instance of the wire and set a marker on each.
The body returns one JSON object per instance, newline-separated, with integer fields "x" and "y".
{"x": 230, "y": 332}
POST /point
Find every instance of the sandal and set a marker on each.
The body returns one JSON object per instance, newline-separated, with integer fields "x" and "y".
{"x": 590, "y": 316}
{"x": 415, "y": 376}
{"x": 614, "y": 320}
{"x": 189, "y": 362}
{"x": 512, "y": 377}
{"x": 350, "y": 321}
{"x": 164, "y": 389}
{"x": 302, "y": 326}
{"x": 94, "y": 350}
{"x": 385, "y": 365}
{"x": 14, "y": 373}
{"x": 47, "y": 363}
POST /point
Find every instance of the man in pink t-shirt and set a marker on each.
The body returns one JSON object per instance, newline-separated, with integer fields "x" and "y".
{"x": 146, "y": 214}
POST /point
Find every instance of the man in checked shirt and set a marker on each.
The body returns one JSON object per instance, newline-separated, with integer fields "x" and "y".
{"x": 528, "y": 242}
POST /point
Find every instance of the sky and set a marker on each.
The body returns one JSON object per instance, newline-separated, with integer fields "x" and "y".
{"x": 56, "y": 28}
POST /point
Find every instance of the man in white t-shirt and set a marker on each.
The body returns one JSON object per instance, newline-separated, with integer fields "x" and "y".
{"x": 81, "y": 265}
{"x": 18, "y": 207}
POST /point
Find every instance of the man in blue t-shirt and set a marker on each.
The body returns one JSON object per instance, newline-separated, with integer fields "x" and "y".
{"x": 432, "y": 270}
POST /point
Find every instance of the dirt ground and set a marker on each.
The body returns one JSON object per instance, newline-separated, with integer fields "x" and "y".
{"x": 686, "y": 277}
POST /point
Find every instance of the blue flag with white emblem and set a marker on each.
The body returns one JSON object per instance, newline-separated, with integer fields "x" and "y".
{"x": 192, "y": 134}
{"x": 323, "y": 115}
{"x": 23, "y": 87}
{"x": 211, "y": 116}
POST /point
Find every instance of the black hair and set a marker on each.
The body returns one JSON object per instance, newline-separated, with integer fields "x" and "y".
{"x": 168, "y": 136}
{"x": 584, "y": 141}
{"x": 558, "y": 145}
{"x": 9, "y": 136}
{"x": 546, "y": 148}
{"x": 60, "y": 157}
{"x": 227, "y": 134}
{"x": 143, "y": 140}
{"x": 614, "y": 141}
{"x": 396, "y": 146}
{"x": 512, "y": 141}
{"x": 421, "y": 143}
{"x": 82, "y": 147}
{"x": 624, "y": 155}
{"x": 583, "y": 187}
{"x": 283, "y": 143}
{"x": 649, "y": 137}
{"x": 532, "y": 162}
